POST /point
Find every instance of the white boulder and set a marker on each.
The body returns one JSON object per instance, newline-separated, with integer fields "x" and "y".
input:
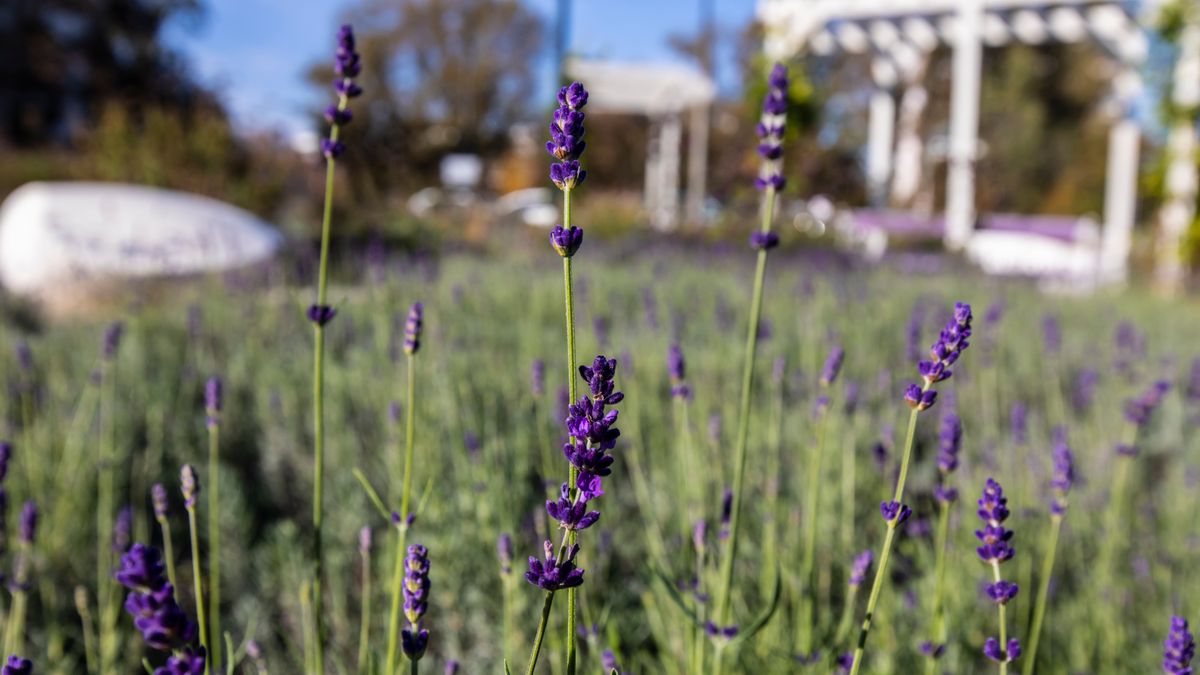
{"x": 60, "y": 235}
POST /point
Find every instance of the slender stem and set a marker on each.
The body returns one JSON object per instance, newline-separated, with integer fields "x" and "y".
{"x": 722, "y": 610}
{"x": 364, "y": 619}
{"x": 402, "y": 526}
{"x": 414, "y": 663}
{"x": 104, "y": 513}
{"x": 1003, "y": 626}
{"x": 168, "y": 551}
{"x": 889, "y": 538}
{"x": 214, "y": 542}
{"x": 569, "y": 306}
{"x": 541, "y": 633}
{"x": 847, "y": 616}
{"x": 809, "y": 601}
{"x": 197, "y": 584}
{"x": 319, "y": 413}
{"x": 938, "y": 633}
{"x": 91, "y": 658}
{"x": 1039, "y": 612}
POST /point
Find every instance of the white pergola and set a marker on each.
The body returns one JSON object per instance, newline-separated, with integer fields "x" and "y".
{"x": 900, "y": 35}
{"x": 665, "y": 93}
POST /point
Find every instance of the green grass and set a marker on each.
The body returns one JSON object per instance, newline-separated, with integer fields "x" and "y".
{"x": 486, "y": 322}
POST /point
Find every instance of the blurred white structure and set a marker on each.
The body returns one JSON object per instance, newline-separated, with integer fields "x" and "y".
{"x": 59, "y": 235}
{"x": 900, "y": 35}
{"x": 666, "y": 94}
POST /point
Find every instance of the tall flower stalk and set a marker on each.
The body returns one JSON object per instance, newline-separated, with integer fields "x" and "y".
{"x": 412, "y": 344}
{"x": 949, "y": 444}
{"x": 347, "y": 67}
{"x": 994, "y": 550}
{"x": 106, "y": 495}
{"x": 944, "y": 353}
{"x": 829, "y": 374}
{"x": 415, "y": 638}
{"x": 770, "y": 182}
{"x": 566, "y": 146}
{"x": 14, "y": 641}
{"x": 364, "y": 620}
{"x": 1060, "y": 483}
{"x": 190, "y": 486}
{"x": 212, "y": 406}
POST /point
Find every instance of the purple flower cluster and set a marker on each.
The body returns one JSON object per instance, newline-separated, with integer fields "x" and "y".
{"x": 415, "y": 639}
{"x": 555, "y": 574}
{"x": 1010, "y": 653}
{"x": 347, "y": 66}
{"x": 566, "y": 142}
{"x": 770, "y": 130}
{"x": 212, "y": 400}
{"x": 412, "y": 328}
{"x": 19, "y": 666}
{"x": 156, "y": 614}
{"x": 894, "y": 512}
{"x": 677, "y": 369}
{"x": 504, "y": 552}
{"x": 112, "y": 339}
{"x": 944, "y": 353}
{"x": 591, "y": 436}
{"x": 1063, "y": 476}
{"x": 189, "y": 486}
{"x": 949, "y": 444}
{"x": 1139, "y": 409}
{"x": 1179, "y": 648}
{"x": 996, "y": 548}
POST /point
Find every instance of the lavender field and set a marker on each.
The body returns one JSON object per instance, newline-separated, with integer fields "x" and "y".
{"x": 585, "y": 459}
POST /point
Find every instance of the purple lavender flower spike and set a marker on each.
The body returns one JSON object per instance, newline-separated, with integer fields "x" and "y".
{"x": 833, "y": 366}
{"x": 1051, "y": 335}
{"x": 161, "y": 502}
{"x": 1139, "y": 409}
{"x": 537, "y": 378}
{"x": 29, "y": 522}
{"x": 920, "y": 400}
{"x": 726, "y": 513}
{"x": 347, "y": 66}
{"x": 412, "y": 328}
{"x": 566, "y": 240}
{"x": 763, "y": 241}
{"x": 213, "y": 399}
{"x": 5, "y": 456}
{"x": 770, "y": 131}
{"x": 931, "y": 650}
{"x": 677, "y": 369}
{"x": 17, "y": 666}
{"x": 189, "y": 486}
{"x": 994, "y": 538}
{"x": 554, "y": 574}
{"x": 1179, "y": 648}
{"x": 589, "y": 424}
{"x": 1063, "y": 477}
{"x": 112, "y": 339}
{"x": 949, "y": 443}
{"x": 1019, "y": 419}
{"x": 504, "y": 552}
{"x": 415, "y": 638}
{"x": 321, "y": 314}
{"x": 566, "y": 143}
{"x": 122, "y": 529}
{"x": 858, "y": 570}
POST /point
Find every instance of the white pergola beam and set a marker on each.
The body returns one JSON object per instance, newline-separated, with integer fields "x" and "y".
{"x": 964, "y": 124}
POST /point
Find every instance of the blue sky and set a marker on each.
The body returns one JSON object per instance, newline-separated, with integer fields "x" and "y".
{"x": 254, "y": 52}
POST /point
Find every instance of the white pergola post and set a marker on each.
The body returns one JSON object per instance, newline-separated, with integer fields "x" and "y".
{"x": 1179, "y": 209}
{"x": 664, "y": 213}
{"x": 880, "y": 134}
{"x": 964, "y": 124}
{"x": 697, "y": 162}
{"x": 1120, "y": 197}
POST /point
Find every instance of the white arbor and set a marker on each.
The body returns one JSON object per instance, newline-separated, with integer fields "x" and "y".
{"x": 666, "y": 94}
{"x": 900, "y": 35}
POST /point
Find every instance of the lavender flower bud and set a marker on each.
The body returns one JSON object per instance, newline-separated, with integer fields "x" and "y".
{"x": 112, "y": 340}
{"x": 451, "y": 667}
{"x": 1020, "y": 423}
{"x": 833, "y": 366}
{"x": 537, "y": 377}
{"x": 894, "y": 513}
{"x": 212, "y": 400}
{"x": 1139, "y": 409}
{"x": 122, "y": 529}
{"x": 1012, "y": 651}
{"x": 5, "y": 456}
{"x": 189, "y": 485}
{"x": 1062, "y": 478}
{"x": 162, "y": 504}
{"x": 763, "y": 241}
{"x": 699, "y": 535}
{"x": 770, "y": 131}
{"x": 412, "y": 328}
{"x": 364, "y": 540}
{"x": 29, "y": 521}
{"x": 566, "y": 240}
{"x": 994, "y": 538}
{"x": 1179, "y": 648}
{"x": 949, "y": 443}
{"x": 726, "y": 513}
{"x": 566, "y": 142}
{"x": 554, "y": 574}
{"x": 1051, "y": 335}
{"x": 414, "y": 639}
{"x": 677, "y": 369}
{"x": 858, "y": 570}
{"x": 504, "y": 551}
{"x": 321, "y": 314}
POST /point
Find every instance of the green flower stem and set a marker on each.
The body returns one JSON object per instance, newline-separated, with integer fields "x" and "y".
{"x": 214, "y": 542}
{"x": 847, "y": 619}
{"x": 318, "y": 555}
{"x": 168, "y": 550}
{"x": 14, "y": 639}
{"x": 104, "y": 518}
{"x": 402, "y": 526}
{"x": 197, "y": 584}
{"x": 364, "y": 620}
{"x": 91, "y": 658}
{"x": 569, "y": 302}
{"x": 1039, "y": 611}
{"x": 938, "y": 632}
{"x": 808, "y": 602}
{"x": 724, "y": 599}
{"x": 1003, "y": 626}
{"x": 541, "y": 632}
{"x": 888, "y": 540}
